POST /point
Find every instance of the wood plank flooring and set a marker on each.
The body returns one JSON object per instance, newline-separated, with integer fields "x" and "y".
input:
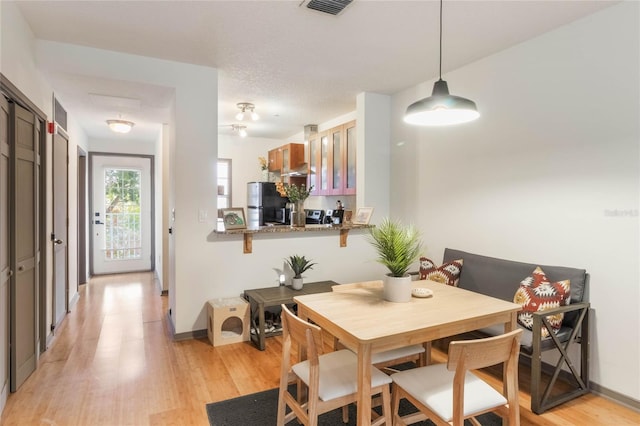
{"x": 113, "y": 362}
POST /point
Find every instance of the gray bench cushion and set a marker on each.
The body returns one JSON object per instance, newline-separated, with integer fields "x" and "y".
{"x": 500, "y": 278}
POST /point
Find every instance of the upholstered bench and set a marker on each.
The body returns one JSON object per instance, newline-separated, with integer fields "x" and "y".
{"x": 501, "y": 278}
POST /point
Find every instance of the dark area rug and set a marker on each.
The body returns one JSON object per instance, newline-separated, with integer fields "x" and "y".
{"x": 260, "y": 409}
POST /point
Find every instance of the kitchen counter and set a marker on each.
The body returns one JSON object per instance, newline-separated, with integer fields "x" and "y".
{"x": 285, "y": 229}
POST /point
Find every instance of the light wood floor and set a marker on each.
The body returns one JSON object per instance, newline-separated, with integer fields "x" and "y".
{"x": 113, "y": 362}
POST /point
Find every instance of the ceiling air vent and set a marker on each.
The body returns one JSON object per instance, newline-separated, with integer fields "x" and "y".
{"x": 332, "y": 7}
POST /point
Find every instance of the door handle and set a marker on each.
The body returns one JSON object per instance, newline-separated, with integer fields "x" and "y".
{"x": 58, "y": 241}
{"x": 99, "y": 222}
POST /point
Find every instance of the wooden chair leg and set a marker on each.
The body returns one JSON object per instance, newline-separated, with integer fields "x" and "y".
{"x": 345, "y": 414}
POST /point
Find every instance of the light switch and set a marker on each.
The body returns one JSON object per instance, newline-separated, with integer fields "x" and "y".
{"x": 202, "y": 215}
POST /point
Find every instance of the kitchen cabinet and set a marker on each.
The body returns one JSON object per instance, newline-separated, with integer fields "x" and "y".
{"x": 275, "y": 160}
{"x": 286, "y": 158}
{"x": 332, "y": 160}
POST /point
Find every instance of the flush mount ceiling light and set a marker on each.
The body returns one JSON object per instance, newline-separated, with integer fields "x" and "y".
{"x": 244, "y": 107}
{"x": 441, "y": 108}
{"x": 241, "y": 129}
{"x": 120, "y": 126}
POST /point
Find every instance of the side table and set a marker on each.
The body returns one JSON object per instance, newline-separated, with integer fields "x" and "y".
{"x": 261, "y": 298}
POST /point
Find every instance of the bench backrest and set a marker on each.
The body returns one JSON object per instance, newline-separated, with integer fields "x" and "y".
{"x": 500, "y": 278}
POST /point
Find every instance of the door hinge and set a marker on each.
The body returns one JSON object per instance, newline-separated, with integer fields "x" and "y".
{"x": 53, "y": 327}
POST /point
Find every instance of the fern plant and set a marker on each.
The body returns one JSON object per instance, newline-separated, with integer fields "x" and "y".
{"x": 299, "y": 264}
{"x": 397, "y": 246}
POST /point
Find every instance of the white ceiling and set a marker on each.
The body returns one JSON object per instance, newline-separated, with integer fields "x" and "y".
{"x": 298, "y": 66}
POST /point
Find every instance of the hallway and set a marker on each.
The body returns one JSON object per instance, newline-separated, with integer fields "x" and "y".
{"x": 113, "y": 363}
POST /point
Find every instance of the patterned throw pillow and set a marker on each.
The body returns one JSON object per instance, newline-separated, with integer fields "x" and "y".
{"x": 448, "y": 273}
{"x": 537, "y": 294}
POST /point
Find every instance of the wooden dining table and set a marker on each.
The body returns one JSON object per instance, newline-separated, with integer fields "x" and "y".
{"x": 360, "y": 318}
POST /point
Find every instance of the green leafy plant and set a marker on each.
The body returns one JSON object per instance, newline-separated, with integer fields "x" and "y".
{"x": 299, "y": 264}
{"x": 263, "y": 163}
{"x": 296, "y": 194}
{"x": 397, "y": 246}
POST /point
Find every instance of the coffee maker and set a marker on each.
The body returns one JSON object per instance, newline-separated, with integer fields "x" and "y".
{"x": 334, "y": 217}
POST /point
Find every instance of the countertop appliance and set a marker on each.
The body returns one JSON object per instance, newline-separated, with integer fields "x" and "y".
{"x": 334, "y": 217}
{"x": 314, "y": 217}
{"x": 264, "y": 205}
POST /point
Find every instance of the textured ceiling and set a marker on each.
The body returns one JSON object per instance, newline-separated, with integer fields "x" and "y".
{"x": 298, "y": 66}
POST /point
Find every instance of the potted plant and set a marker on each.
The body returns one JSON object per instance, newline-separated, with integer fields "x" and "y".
{"x": 298, "y": 265}
{"x": 398, "y": 247}
{"x": 296, "y": 196}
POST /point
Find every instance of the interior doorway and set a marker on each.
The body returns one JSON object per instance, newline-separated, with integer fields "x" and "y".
{"x": 82, "y": 216}
{"x": 60, "y": 234}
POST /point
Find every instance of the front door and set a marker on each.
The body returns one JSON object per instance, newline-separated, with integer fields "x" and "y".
{"x": 60, "y": 234}
{"x": 121, "y": 214}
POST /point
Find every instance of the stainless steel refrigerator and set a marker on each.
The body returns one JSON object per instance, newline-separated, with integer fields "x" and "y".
{"x": 264, "y": 204}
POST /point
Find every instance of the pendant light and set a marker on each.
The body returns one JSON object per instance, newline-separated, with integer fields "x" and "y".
{"x": 441, "y": 108}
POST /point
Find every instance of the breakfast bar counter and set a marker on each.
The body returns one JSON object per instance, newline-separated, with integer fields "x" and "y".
{"x": 286, "y": 229}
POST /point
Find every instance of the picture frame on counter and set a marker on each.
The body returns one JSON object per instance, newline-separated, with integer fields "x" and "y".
{"x": 233, "y": 218}
{"x": 363, "y": 216}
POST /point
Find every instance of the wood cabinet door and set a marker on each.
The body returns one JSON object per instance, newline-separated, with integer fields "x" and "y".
{"x": 336, "y": 169}
{"x": 325, "y": 172}
{"x": 275, "y": 160}
{"x": 349, "y": 158}
{"x": 314, "y": 163}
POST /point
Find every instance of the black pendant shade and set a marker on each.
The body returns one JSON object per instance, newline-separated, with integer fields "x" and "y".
{"x": 441, "y": 108}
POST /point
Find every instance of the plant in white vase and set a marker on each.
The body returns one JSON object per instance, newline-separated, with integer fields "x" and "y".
{"x": 398, "y": 246}
{"x": 298, "y": 264}
{"x": 297, "y": 196}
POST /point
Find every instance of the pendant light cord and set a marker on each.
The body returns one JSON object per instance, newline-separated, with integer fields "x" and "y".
{"x": 440, "y": 40}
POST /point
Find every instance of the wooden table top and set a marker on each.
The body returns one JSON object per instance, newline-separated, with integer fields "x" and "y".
{"x": 367, "y": 317}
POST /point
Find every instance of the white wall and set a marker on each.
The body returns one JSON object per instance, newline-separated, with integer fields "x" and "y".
{"x": 115, "y": 145}
{"x": 244, "y": 153}
{"x": 77, "y": 138}
{"x": 548, "y": 174}
{"x": 18, "y": 65}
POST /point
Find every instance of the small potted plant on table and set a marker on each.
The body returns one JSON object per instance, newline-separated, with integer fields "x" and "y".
{"x": 298, "y": 265}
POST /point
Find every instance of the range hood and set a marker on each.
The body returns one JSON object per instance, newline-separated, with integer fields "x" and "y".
{"x": 300, "y": 171}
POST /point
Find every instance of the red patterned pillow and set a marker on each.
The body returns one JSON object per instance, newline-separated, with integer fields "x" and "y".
{"x": 537, "y": 294}
{"x": 448, "y": 273}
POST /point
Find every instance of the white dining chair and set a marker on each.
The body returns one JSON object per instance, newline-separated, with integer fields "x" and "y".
{"x": 330, "y": 379}
{"x": 449, "y": 393}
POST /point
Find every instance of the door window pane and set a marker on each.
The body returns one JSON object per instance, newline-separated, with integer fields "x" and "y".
{"x": 123, "y": 235}
{"x": 224, "y": 184}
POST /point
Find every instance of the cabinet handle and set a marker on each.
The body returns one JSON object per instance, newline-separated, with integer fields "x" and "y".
{"x": 20, "y": 268}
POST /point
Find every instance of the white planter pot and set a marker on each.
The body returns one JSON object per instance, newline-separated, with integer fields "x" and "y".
{"x": 296, "y": 283}
{"x": 397, "y": 289}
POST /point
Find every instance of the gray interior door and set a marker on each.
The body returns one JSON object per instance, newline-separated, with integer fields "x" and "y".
{"x": 5, "y": 248}
{"x": 60, "y": 234}
{"x": 26, "y": 160}
{"x": 82, "y": 217}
